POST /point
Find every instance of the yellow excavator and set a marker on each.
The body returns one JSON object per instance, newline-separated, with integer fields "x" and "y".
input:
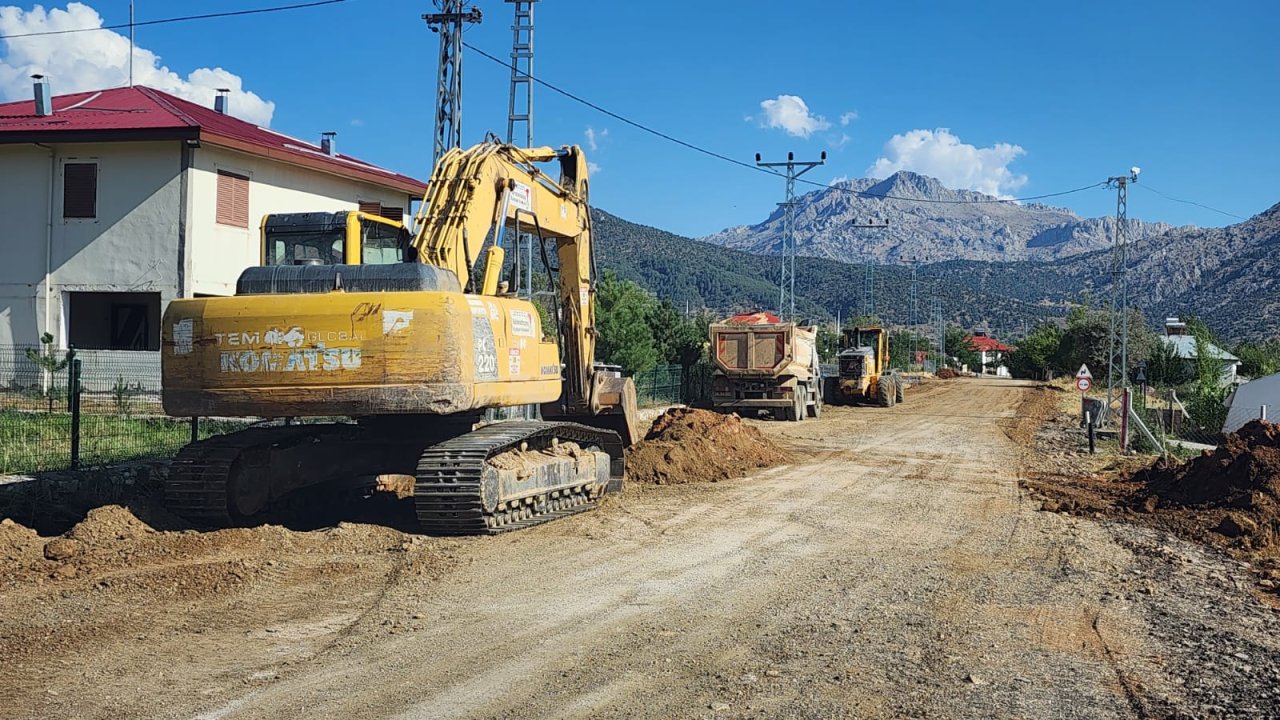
{"x": 411, "y": 355}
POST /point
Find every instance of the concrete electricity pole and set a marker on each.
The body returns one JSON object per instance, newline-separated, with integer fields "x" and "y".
{"x": 448, "y": 22}
{"x": 787, "y": 281}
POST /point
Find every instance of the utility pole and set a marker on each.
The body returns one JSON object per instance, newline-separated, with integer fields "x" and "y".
{"x": 520, "y": 111}
{"x": 787, "y": 281}
{"x": 448, "y": 22}
{"x": 915, "y": 313}
{"x": 869, "y": 290}
{"x": 940, "y": 328}
{"x": 1118, "y": 337}
{"x": 521, "y": 72}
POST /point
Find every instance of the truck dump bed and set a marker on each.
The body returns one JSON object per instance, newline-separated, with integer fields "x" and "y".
{"x": 763, "y": 350}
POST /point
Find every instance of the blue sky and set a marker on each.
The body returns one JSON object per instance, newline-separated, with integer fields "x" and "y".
{"x": 1035, "y": 97}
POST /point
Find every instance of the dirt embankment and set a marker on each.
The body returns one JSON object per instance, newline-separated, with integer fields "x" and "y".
{"x": 1238, "y": 484}
{"x": 686, "y": 445}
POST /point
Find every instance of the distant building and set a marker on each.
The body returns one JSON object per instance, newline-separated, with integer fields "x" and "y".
{"x": 991, "y": 353}
{"x": 1176, "y": 337}
{"x": 118, "y": 201}
{"x": 1252, "y": 400}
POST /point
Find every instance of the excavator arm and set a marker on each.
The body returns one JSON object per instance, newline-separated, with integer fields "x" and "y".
{"x": 476, "y": 200}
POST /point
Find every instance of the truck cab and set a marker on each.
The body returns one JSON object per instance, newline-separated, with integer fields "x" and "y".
{"x": 346, "y": 237}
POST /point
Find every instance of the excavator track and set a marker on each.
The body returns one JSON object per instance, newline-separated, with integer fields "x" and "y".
{"x": 199, "y": 484}
{"x": 449, "y": 497}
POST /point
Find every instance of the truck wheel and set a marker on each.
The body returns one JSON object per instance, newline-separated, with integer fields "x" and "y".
{"x": 815, "y": 410}
{"x": 884, "y": 391}
{"x": 801, "y": 401}
{"x": 899, "y": 390}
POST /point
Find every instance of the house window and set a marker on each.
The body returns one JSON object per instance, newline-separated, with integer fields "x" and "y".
{"x": 375, "y": 207}
{"x": 113, "y": 320}
{"x": 233, "y": 199}
{"x": 80, "y": 190}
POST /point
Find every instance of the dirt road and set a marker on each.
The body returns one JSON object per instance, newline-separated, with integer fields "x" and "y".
{"x": 897, "y": 572}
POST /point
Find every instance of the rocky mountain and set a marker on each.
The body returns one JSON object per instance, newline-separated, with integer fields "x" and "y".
{"x": 701, "y": 275}
{"x": 1229, "y": 277}
{"x": 954, "y": 225}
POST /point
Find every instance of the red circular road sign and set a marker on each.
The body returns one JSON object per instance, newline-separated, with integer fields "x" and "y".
{"x": 1083, "y": 384}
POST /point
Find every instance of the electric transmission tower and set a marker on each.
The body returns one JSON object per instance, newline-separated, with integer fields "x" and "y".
{"x": 520, "y": 105}
{"x": 914, "y": 310}
{"x": 448, "y": 23}
{"x": 940, "y": 331}
{"x": 1118, "y": 337}
{"x": 787, "y": 281}
{"x": 869, "y": 290}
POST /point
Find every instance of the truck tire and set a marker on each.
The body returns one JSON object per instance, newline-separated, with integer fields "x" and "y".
{"x": 884, "y": 391}
{"x": 831, "y": 390}
{"x": 899, "y": 390}
{"x": 815, "y": 410}
{"x": 800, "y": 398}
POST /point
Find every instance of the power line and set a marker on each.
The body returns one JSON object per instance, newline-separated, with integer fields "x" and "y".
{"x": 739, "y": 163}
{"x": 184, "y": 18}
{"x": 1191, "y": 202}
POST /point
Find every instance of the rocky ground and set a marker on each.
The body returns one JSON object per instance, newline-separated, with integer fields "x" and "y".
{"x": 926, "y": 560}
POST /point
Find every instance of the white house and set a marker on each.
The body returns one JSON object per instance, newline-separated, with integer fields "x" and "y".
{"x": 1176, "y": 337}
{"x": 115, "y": 202}
{"x": 1252, "y": 400}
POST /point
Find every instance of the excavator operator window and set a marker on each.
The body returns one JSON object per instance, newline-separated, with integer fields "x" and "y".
{"x": 381, "y": 244}
{"x": 305, "y": 248}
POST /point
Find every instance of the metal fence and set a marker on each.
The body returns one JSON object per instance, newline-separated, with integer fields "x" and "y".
{"x": 66, "y": 410}
{"x": 672, "y": 384}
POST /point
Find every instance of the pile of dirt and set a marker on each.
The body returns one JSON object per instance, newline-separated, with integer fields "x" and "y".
{"x": 946, "y": 374}
{"x": 1241, "y": 478}
{"x": 686, "y": 445}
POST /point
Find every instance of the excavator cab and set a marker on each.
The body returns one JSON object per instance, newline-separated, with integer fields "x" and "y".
{"x": 346, "y": 237}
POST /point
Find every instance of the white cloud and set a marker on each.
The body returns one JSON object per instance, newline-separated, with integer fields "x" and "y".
{"x": 357, "y": 122}
{"x": 940, "y": 154}
{"x": 837, "y": 180}
{"x": 840, "y": 141}
{"x": 846, "y": 118}
{"x": 97, "y": 60}
{"x": 592, "y": 168}
{"x": 594, "y": 137}
{"x": 790, "y": 113}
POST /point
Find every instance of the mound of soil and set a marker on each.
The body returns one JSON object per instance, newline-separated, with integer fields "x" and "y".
{"x": 1240, "y": 477}
{"x": 109, "y": 523}
{"x": 946, "y": 374}
{"x": 686, "y": 445}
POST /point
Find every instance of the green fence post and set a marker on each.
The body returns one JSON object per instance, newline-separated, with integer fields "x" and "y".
{"x": 73, "y": 400}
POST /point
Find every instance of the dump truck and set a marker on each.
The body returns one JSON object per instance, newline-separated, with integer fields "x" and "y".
{"x": 864, "y": 375}
{"x": 762, "y": 363}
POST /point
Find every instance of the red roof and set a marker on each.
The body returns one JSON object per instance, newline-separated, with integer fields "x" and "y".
{"x": 138, "y": 113}
{"x": 983, "y": 343}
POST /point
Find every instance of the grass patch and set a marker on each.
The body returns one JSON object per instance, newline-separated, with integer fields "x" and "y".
{"x": 41, "y": 441}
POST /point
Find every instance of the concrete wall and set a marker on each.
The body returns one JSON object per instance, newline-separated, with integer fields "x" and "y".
{"x": 219, "y": 252}
{"x": 129, "y": 246}
{"x": 135, "y": 244}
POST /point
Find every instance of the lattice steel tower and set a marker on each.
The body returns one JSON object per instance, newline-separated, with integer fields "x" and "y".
{"x": 869, "y": 290}
{"x": 1118, "y": 337}
{"x": 787, "y": 281}
{"x": 448, "y": 22}
{"x": 520, "y": 105}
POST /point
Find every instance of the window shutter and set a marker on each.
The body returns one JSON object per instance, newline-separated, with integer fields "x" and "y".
{"x": 393, "y": 213}
{"x": 233, "y": 199}
{"x": 80, "y": 190}
{"x": 370, "y": 207}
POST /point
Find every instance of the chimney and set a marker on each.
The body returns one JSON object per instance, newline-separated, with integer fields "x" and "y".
{"x": 220, "y": 100}
{"x": 44, "y": 98}
{"x": 329, "y": 143}
{"x": 1174, "y": 326}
